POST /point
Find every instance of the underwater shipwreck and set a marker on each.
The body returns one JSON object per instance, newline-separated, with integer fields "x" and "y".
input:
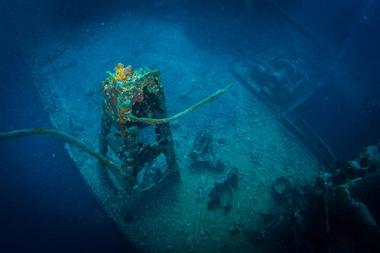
{"x": 204, "y": 153}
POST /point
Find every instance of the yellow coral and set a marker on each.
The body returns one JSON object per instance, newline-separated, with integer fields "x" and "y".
{"x": 121, "y": 73}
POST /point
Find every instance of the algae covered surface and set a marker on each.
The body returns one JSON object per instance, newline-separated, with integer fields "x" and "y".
{"x": 247, "y": 134}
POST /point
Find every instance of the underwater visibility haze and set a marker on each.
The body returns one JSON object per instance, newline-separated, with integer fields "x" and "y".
{"x": 190, "y": 126}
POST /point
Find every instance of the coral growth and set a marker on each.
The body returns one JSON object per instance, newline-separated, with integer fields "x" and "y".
{"x": 123, "y": 73}
{"x": 123, "y": 89}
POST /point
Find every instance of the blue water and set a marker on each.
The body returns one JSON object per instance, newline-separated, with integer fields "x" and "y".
{"x": 45, "y": 205}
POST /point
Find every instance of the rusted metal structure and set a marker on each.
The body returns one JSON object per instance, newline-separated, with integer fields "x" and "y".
{"x": 130, "y": 94}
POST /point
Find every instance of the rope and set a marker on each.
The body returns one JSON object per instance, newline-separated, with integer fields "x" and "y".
{"x": 101, "y": 158}
{"x": 153, "y": 121}
{"x": 68, "y": 138}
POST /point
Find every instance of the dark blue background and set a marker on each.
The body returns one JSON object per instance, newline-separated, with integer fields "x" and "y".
{"x": 45, "y": 205}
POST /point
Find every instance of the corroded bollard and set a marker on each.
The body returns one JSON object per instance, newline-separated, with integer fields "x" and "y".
{"x": 129, "y": 95}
